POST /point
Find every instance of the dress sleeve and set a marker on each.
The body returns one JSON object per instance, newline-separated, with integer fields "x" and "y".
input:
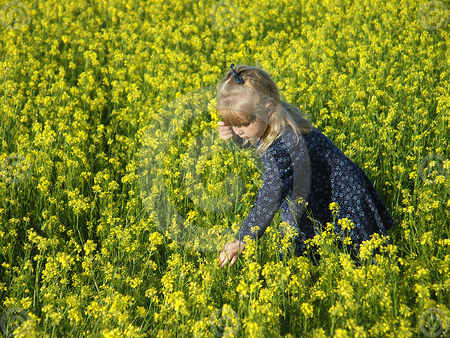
{"x": 277, "y": 184}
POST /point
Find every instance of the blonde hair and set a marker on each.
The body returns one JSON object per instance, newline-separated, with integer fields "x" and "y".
{"x": 239, "y": 104}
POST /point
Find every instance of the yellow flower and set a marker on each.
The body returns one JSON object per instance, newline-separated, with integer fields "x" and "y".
{"x": 340, "y": 333}
{"x": 307, "y": 310}
{"x": 334, "y": 207}
{"x": 346, "y": 224}
{"x": 89, "y": 247}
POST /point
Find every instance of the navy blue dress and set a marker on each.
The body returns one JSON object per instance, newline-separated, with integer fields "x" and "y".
{"x": 313, "y": 168}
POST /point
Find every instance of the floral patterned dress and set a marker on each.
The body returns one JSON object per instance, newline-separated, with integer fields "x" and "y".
{"x": 311, "y": 167}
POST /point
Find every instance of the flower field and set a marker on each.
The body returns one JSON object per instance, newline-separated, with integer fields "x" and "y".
{"x": 117, "y": 193}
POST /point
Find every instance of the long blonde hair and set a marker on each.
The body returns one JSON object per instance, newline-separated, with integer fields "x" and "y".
{"x": 239, "y": 104}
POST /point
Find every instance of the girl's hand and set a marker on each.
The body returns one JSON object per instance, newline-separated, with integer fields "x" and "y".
{"x": 225, "y": 131}
{"x": 231, "y": 252}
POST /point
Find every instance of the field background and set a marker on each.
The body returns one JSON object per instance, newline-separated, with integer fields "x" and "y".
{"x": 82, "y": 81}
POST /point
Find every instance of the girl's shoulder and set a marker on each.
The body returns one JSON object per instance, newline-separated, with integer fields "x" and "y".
{"x": 315, "y": 141}
{"x": 288, "y": 142}
{"x": 293, "y": 141}
{"x": 290, "y": 135}
{"x": 315, "y": 137}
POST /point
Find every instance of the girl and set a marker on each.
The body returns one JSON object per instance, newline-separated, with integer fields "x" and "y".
{"x": 300, "y": 164}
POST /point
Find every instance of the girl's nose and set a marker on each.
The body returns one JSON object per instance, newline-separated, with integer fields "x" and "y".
{"x": 237, "y": 130}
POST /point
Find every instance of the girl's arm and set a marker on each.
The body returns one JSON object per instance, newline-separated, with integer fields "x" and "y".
{"x": 266, "y": 204}
{"x": 277, "y": 181}
{"x": 287, "y": 174}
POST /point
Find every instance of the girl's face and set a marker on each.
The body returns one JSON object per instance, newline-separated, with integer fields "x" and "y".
{"x": 251, "y": 131}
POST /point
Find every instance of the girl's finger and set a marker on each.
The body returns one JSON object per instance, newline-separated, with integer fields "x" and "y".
{"x": 224, "y": 262}
{"x": 223, "y": 257}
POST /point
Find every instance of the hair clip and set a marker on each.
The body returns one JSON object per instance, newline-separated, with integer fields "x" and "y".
{"x": 238, "y": 79}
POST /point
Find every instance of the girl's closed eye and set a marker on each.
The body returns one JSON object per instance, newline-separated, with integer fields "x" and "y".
{"x": 245, "y": 124}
